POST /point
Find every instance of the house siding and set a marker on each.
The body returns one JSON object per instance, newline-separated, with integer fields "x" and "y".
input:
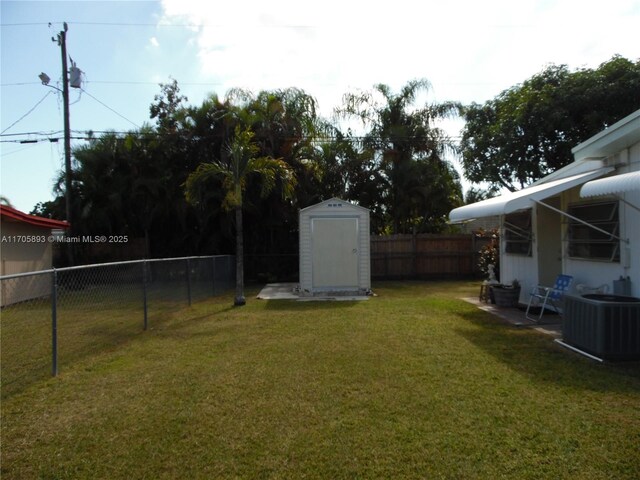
{"x": 595, "y": 273}
{"x": 614, "y": 151}
{"x": 521, "y": 268}
{"x": 22, "y": 257}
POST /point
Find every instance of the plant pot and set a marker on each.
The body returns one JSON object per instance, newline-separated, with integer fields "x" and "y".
{"x": 505, "y": 296}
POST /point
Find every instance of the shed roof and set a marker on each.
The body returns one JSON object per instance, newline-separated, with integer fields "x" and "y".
{"x": 11, "y": 214}
{"x": 337, "y": 202}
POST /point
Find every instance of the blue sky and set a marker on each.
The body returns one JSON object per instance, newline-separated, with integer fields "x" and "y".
{"x": 470, "y": 51}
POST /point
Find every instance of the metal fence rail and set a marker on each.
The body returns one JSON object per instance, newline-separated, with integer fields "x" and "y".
{"x": 55, "y": 317}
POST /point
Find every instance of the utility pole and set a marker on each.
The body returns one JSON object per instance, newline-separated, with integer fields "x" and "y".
{"x": 62, "y": 42}
{"x": 76, "y": 80}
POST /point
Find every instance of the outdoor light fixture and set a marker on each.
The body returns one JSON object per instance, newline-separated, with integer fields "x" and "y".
{"x": 44, "y": 78}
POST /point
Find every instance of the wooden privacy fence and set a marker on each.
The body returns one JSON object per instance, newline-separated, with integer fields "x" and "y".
{"x": 428, "y": 256}
{"x": 425, "y": 256}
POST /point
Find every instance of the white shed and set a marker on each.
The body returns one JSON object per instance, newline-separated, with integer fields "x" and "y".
{"x": 334, "y": 249}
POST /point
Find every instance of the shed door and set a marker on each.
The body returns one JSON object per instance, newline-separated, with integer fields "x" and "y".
{"x": 334, "y": 250}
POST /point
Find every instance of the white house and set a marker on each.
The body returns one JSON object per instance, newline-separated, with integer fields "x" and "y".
{"x": 582, "y": 220}
{"x": 334, "y": 249}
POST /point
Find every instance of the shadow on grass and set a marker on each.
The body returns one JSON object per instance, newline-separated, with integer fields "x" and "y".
{"x": 538, "y": 357}
{"x": 184, "y": 326}
{"x": 298, "y": 306}
{"x": 86, "y": 332}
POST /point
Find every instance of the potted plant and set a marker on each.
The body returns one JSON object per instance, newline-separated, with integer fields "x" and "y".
{"x": 488, "y": 261}
{"x": 506, "y": 295}
{"x": 489, "y": 254}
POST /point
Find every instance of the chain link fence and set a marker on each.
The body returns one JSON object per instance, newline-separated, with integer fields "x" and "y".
{"x": 55, "y": 317}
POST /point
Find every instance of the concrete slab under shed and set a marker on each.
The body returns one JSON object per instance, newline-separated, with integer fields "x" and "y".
{"x": 289, "y": 291}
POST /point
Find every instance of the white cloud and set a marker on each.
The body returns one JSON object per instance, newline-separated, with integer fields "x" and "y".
{"x": 154, "y": 42}
{"x": 469, "y": 50}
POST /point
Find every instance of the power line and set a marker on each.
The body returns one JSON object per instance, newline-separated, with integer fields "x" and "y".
{"x": 4, "y": 155}
{"x": 27, "y": 24}
{"x": 118, "y": 82}
{"x": 88, "y": 136}
{"x": 107, "y": 106}
{"x": 32, "y": 133}
{"x": 48, "y": 134}
{"x": 141, "y": 24}
{"x": 114, "y": 82}
{"x": 32, "y": 109}
{"x": 19, "y": 84}
{"x": 46, "y": 139}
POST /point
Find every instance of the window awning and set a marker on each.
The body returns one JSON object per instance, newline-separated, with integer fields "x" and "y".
{"x": 624, "y": 182}
{"x": 513, "y": 201}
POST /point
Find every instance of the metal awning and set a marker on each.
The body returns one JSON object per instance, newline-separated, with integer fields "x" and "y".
{"x": 513, "y": 201}
{"x": 624, "y": 182}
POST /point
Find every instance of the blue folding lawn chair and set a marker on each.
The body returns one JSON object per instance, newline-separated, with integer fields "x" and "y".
{"x": 549, "y": 297}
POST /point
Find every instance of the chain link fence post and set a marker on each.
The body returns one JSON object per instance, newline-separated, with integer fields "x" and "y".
{"x": 213, "y": 274}
{"x": 144, "y": 294}
{"x": 189, "y": 280}
{"x": 54, "y": 324}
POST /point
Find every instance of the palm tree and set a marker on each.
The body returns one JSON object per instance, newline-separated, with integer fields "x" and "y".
{"x": 234, "y": 174}
{"x": 408, "y": 148}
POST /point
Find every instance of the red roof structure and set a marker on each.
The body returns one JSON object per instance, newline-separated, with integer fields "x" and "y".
{"x": 10, "y": 214}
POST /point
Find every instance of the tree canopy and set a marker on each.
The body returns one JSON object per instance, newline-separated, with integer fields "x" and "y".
{"x": 528, "y": 131}
{"x": 417, "y": 186}
{"x": 134, "y": 183}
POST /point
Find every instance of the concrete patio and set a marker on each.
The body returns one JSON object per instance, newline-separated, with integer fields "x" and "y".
{"x": 549, "y": 325}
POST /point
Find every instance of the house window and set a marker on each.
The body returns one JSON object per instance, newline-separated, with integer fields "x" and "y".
{"x": 586, "y": 242}
{"x": 517, "y": 233}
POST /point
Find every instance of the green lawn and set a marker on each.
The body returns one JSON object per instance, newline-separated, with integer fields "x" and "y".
{"x": 414, "y": 383}
{"x": 89, "y": 320}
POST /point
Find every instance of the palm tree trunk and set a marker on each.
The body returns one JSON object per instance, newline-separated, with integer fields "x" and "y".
{"x": 239, "y": 300}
